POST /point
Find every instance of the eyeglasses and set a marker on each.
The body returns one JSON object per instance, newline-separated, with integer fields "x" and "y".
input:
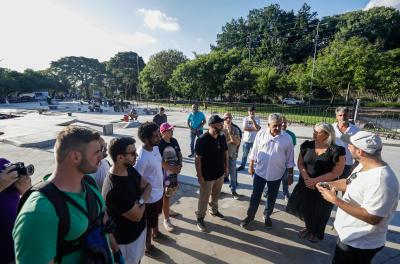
{"x": 351, "y": 178}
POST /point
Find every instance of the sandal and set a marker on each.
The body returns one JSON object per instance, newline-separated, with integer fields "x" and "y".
{"x": 303, "y": 233}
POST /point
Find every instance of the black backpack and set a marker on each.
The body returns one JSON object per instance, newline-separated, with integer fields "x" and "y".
{"x": 92, "y": 242}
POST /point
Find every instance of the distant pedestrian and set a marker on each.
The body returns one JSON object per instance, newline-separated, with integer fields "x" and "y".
{"x": 211, "y": 167}
{"x": 320, "y": 160}
{"x": 273, "y": 154}
{"x": 232, "y": 136}
{"x": 195, "y": 121}
{"x": 161, "y": 117}
{"x": 251, "y": 125}
{"x": 172, "y": 165}
{"x": 371, "y": 195}
{"x": 342, "y": 127}
{"x": 125, "y": 192}
{"x": 148, "y": 164}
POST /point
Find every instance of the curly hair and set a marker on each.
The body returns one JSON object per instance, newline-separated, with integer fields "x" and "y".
{"x": 145, "y": 131}
{"x": 118, "y": 146}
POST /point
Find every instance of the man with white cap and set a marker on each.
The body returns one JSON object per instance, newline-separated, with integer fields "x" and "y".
{"x": 370, "y": 199}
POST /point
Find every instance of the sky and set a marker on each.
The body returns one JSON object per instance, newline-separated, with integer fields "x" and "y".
{"x": 35, "y": 32}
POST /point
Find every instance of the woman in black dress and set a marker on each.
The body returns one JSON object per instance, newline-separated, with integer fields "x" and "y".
{"x": 319, "y": 160}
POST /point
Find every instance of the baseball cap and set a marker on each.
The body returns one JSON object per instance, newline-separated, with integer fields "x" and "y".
{"x": 215, "y": 119}
{"x": 251, "y": 108}
{"x": 364, "y": 140}
{"x": 165, "y": 126}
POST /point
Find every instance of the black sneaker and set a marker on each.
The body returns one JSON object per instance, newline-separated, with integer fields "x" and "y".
{"x": 245, "y": 222}
{"x": 191, "y": 155}
{"x": 217, "y": 214}
{"x": 235, "y": 195}
{"x": 200, "y": 224}
{"x": 240, "y": 168}
{"x": 268, "y": 222}
{"x": 226, "y": 180}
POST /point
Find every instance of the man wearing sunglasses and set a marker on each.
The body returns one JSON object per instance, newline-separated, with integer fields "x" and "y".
{"x": 104, "y": 165}
{"x": 371, "y": 194}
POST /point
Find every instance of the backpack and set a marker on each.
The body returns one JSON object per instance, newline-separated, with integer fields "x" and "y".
{"x": 93, "y": 241}
{"x": 240, "y": 133}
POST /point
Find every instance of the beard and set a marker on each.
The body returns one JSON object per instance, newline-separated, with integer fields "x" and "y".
{"x": 86, "y": 168}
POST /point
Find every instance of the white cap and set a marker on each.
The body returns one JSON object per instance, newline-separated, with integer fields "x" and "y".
{"x": 364, "y": 140}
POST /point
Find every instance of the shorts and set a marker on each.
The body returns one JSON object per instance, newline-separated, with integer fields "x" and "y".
{"x": 152, "y": 212}
{"x": 134, "y": 251}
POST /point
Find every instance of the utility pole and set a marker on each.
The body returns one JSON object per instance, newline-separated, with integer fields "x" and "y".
{"x": 137, "y": 66}
{"x": 313, "y": 64}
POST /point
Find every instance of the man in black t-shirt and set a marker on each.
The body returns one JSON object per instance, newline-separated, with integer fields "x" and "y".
{"x": 160, "y": 118}
{"x": 125, "y": 192}
{"x": 211, "y": 167}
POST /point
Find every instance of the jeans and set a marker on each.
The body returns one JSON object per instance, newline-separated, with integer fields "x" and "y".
{"x": 232, "y": 174}
{"x": 258, "y": 187}
{"x": 193, "y": 138}
{"x": 208, "y": 188}
{"x": 246, "y": 149}
{"x": 347, "y": 254}
{"x": 285, "y": 185}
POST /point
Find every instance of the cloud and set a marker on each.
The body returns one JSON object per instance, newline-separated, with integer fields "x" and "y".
{"x": 388, "y": 3}
{"x": 33, "y": 36}
{"x": 155, "y": 19}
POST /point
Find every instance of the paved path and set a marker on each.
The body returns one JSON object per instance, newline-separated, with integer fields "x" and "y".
{"x": 225, "y": 242}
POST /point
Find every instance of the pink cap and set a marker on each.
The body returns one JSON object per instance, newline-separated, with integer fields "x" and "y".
{"x": 165, "y": 126}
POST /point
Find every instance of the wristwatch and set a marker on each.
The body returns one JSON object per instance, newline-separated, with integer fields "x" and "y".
{"x": 141, "y": 202}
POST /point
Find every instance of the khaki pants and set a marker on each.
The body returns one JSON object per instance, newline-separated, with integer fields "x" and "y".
{"x": 208, "y": 188}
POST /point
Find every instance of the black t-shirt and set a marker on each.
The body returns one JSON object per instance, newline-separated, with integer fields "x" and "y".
{"x": 324, "y": 163}
{"x": 173, "y": 143}
{"x": 212, "y": 152}
{"x": 159, "y": 119}
{"x": 121, "y": 193}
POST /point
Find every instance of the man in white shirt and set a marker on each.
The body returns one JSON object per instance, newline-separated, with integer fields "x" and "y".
{"x": 344, "y": 127}
{"x": 251, "y": 125}
{"x": 273, "y": 153}
{"x": 369, "y": 202}
{"x": 104, "y": 166}
{"x": 149, "y": 165}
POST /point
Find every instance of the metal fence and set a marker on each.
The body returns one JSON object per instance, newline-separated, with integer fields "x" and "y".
{"x": 386, "y": 122}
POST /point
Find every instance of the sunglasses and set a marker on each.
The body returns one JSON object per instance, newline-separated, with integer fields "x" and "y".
{"x": 351, "y": 178}
{"x": 227, "y": 118}
{"x": 133, "y": 153}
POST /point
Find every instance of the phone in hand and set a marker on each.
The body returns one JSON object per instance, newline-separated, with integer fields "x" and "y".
{"x": 324, "y": 185}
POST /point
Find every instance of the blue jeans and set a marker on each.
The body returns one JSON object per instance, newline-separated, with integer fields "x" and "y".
{"x": 193, "y": 139}
{"x": 258, "y": 187}
{"x": 246, "y": 149}
{"x": 232, "y": 174}
{"x": 285, "y": 185}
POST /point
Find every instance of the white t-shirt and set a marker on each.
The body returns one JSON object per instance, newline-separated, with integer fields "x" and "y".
{"x": 148, "y": 164}
{"x": 351, "y": 130}
{"x": 249, "y": 136}
{"x": 101, "y": 173}
{"x": 377, "y": 191}
{"x": 273, "y": 155}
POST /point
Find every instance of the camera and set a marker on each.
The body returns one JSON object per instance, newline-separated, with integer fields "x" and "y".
{"x": 325, "y": 185}
{"x": 23, "y": 170}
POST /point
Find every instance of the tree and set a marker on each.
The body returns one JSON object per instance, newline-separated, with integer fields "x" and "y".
{"x": 80, "y": 72}
{"x": 266, "y": 81}
{"x": 239, "y": 81}
{"x": 125, "y": 66}
{"x": 155, "y": 75}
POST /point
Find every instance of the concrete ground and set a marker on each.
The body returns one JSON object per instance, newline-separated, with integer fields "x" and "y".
{"x": 225, "y": 241}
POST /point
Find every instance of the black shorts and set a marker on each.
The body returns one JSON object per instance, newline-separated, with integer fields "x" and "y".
{"x": 153, "y": 210}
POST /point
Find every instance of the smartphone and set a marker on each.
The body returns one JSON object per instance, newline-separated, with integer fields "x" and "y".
{"x": 324, "y": 185}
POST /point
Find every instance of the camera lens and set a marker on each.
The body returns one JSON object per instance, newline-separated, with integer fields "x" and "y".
{"x": 30, "y": 170}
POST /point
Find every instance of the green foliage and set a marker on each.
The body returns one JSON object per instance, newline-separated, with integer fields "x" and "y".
{"x": 155, "y": 75}
{"x": 125, "y": 67}
{"x": 239, "y": 81}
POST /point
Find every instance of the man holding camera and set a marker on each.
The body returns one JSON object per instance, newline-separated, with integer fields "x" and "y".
{"x": 371, "y": 194}
{"x": 13, "y": 183}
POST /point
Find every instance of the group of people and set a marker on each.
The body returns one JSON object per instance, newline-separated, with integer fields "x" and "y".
{"x": 90, "y": 209}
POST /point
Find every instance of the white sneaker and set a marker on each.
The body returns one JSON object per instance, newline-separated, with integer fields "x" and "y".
{"x": 168, "y": 226}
